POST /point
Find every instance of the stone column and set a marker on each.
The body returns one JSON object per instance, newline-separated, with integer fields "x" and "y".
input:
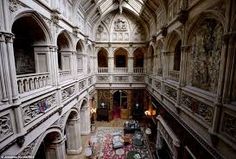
{"x": 85, "y": 120}
{"x": 56, "y": 150}
{"x": 4, "y": 95}
{"x": 53, "y": 65}
{"x": 73, "y": 134}
{"x": 110, "y": 60}
{"x": 130, "y": 64}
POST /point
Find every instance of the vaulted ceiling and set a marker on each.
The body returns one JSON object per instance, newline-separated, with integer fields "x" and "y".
{"x": 144, "y": 9}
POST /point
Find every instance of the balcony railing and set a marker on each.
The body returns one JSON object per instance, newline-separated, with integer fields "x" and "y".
{"x": 138, "y": 69}
{"x": 29, "y": 82}
{"x": 102, "y": 69}
{"x": 173, "y": 75}
{"x": 64, "y": 74}
{"x": 120, "y": 70}
{"x": 169, "y": 136}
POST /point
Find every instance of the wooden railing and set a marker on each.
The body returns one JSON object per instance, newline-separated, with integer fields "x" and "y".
{"x": 29, "y": 82}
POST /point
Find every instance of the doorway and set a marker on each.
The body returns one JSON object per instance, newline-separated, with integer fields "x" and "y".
{"x": 119, "y": 102}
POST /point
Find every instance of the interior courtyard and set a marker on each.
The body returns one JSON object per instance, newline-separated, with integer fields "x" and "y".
{"x": 118, "y": 79}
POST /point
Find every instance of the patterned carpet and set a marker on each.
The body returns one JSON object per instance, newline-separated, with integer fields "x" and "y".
{"x": 104, "y": 150}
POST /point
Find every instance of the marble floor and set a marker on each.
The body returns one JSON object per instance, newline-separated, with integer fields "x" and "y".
{"x": 85, "y": 138}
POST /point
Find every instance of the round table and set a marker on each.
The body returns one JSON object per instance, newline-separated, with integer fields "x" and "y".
{"x": 133, "y": 155}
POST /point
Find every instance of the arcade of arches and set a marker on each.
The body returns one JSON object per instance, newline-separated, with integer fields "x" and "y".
{"x": 69, "y": 67}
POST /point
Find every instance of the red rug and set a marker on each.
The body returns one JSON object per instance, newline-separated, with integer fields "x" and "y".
{"x": 105, "y": 149}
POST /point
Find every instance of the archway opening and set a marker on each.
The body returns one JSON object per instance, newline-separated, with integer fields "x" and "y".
{"x": 138, "y": 60}
{"x": 79, "y": 50}
{"x": 120, "y": 58}
{"x": 51, "y": 147}
{"x": 119, "y": 102}
{"x": 72, "y": 133}
{"x": 28, "y": 33}
{"x": 102, "y": 61}
{"x": 63, "y": 45}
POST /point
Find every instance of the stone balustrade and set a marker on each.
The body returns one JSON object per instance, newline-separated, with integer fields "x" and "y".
{"x": 173, "y": 75}
{"x": 138, "y": 70}
{"x": 120, "y": 70}
{"x": 29, "y": 82}
{"x": 102, "y": 69}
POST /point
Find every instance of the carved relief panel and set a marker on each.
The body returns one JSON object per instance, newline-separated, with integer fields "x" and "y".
{"x": 204, "y": 59}
{"x": 120, "y": 27}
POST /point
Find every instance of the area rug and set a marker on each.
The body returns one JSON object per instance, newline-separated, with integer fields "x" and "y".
{"x": 104, "y": 149}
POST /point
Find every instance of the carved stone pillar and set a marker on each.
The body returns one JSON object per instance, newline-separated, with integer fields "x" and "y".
{"x": 229, "y": 41}
{"x": 85, "y": 120}
{"x": 53, "y": 57}
{"x": 166, "y": 64}
{"x": 73, "y": 134}
{"x": 4, "y": 95}
{"x": 56, "y": 150}
{"x": 130, "y": 64}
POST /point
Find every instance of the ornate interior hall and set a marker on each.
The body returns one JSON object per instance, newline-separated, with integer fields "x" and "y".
{"x": 118, "y": 79}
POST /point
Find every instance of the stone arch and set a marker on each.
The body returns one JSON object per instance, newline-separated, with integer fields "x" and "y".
{"x": 194, "y": 23}
{"x": 64, "y": 39}
{"x": 172, "y": 40}
{"x": 71, "y": 129}
{"x": 138, "y": 55}
{"x": 31, "y": 34}
{"x": 102, "y": 57}
{"x": 54, "y": 140}
{"x": 85, "y": 117}
{"x": 121, "y": 57}
{"x": 64, "y": 50}
{"x": 38, "y": 19}
{"x": 80, "y": 51}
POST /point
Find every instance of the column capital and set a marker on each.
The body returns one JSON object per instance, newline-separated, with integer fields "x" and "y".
{"x": 9, "y": 37}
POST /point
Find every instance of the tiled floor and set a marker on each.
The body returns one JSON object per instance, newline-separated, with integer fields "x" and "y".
{"x": 85, "y": 139}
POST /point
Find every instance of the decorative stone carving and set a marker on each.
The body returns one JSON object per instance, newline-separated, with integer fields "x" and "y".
{"x": 66, "y": 93}
{"x": 30, "y": 112}
{"x": 5, "y": 126}
{"x": 205, "y": 55}
{"x": 90, "y": 81}
{"x": 29, "y": 149}
{"x": 103, "y": 78}
{"x": 171, "y": 92}
{"x": 82, "y": 85}
{"x": 138, "y": 78}
{"x": 120, "y": 25}
{"x": 203, "y": 110}
{"x": 157, "y": 85}
{"x": 121, "y": 78}
{"x": 13, "y": 5}
{"x": 229, "y": 126}
{"x": 182, "y": 16}
{"x": 20, "y": 140}
{"x": 100, "y": 29}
